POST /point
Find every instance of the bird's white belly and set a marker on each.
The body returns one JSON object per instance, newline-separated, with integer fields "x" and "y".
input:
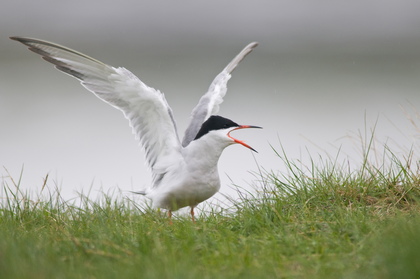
{"x": 189, "y": 192}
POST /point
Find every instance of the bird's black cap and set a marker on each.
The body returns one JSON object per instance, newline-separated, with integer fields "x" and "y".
{"x": 215, "y": 122}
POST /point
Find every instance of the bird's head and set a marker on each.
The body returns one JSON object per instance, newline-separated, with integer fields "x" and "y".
{"x": 219, "y": 128}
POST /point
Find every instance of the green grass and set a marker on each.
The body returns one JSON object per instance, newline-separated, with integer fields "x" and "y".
{"x": 321, "y": 221}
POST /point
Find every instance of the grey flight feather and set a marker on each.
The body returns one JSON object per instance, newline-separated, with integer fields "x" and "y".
{"x": 209, "y": 102}
{"x": 146, "y": 109}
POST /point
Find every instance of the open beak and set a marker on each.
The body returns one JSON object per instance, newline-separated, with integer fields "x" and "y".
{"x": 239, "y": 141}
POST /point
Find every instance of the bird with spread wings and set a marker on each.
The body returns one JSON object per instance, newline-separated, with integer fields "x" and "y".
{"x": 184, "y": 173}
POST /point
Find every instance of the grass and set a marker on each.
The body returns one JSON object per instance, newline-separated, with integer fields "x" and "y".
{"x": 321, "y": 221}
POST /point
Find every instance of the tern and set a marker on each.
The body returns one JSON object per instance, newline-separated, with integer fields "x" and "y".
{"x": 184, "y": 173}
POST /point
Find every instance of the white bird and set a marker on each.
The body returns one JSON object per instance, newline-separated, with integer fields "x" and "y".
{"x": 184, "y": 174}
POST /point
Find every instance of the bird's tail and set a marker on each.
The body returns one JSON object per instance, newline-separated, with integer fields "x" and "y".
{"x": 139, "y": 193}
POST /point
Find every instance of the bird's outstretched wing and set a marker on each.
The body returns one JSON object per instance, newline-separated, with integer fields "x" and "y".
{"x": 209, "y": 102}
{"x": 146, "y": 109}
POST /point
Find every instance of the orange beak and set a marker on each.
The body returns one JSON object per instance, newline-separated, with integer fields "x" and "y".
{"x": 239, "y": 141}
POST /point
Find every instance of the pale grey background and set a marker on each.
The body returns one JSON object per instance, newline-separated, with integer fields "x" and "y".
{"x": 324, "y": 71}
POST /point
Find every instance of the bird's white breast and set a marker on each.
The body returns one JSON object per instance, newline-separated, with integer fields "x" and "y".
{"x": 190, "y": 181}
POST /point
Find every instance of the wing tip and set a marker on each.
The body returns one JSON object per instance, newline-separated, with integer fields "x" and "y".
{"x": 22, "y": 40}
{"x": 244, "y": 52}
{"x": 18, "y": 39}
{"x": 252, "y": 45}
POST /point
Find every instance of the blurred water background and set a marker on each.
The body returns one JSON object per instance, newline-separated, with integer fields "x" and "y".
{"x": 325, "y": 73}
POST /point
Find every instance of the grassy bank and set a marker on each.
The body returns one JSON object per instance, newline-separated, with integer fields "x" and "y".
{"x": 321, "y": 222}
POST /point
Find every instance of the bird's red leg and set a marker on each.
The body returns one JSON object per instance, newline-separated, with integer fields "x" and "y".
{"x": 192, "y": 214}
{"x": 170, "y": 216}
